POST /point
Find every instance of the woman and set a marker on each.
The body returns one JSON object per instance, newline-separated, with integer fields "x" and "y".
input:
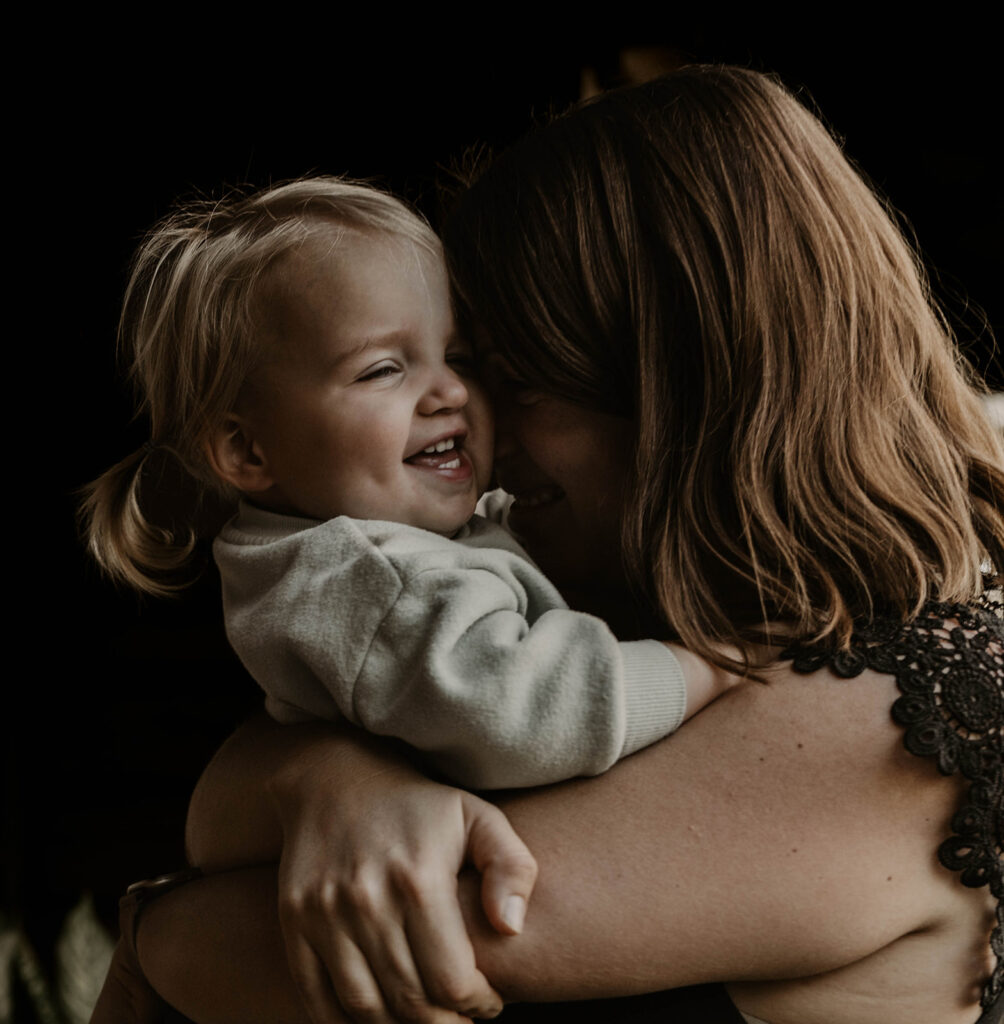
{"x": 717, "y": 365}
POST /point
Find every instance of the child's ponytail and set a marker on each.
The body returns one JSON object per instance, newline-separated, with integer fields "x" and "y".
{"x": 129, "y": 547}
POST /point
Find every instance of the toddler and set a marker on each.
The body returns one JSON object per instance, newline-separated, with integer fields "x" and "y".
{"x": 296, "y": 349}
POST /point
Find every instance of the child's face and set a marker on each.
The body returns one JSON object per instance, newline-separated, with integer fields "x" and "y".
{"x": 364, "y": 378}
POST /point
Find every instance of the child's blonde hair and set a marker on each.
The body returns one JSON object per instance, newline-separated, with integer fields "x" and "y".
{"x": 189, "y": 335}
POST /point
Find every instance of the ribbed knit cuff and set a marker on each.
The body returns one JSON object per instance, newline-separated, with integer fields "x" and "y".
{"x": 655, "y": 695}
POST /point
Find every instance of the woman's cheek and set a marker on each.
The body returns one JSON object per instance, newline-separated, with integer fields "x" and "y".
{"x": 586, "y": 454}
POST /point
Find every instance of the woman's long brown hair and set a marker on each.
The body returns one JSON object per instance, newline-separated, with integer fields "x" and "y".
{"x": 697, "y": 253}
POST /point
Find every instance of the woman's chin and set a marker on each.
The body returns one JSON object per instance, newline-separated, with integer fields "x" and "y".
{"x": 585, "y": 569}
{"x": 543, "y": 528}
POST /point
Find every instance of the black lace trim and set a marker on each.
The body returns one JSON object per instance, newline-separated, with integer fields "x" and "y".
{"x": 949, "y": 667}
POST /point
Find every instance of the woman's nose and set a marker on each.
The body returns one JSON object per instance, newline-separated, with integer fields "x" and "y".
{"x": 445, "y": 391}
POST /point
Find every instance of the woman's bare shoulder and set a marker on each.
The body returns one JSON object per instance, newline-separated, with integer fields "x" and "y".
{"x": 787, "y": 809}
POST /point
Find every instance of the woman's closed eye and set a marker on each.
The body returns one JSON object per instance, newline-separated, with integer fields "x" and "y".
{"x": 520, "y": 392}
{"x": 462, "y": 363}
{"x": 506, "y": 384}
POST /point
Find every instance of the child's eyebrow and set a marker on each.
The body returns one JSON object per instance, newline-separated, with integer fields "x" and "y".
{"x": 357, "y": 349}
{"x": 389, "y": 339}
{"x": 353, "y": 350}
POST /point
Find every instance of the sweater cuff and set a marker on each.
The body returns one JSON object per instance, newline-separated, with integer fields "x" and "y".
{"x": 655, "y": 693}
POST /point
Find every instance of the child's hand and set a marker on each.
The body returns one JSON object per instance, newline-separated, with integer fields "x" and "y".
{"x": 705, "y": 682}
{"x": 368, "y": 897}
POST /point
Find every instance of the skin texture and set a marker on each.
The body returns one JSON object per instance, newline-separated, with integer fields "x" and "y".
{"x": 834, "y": 828}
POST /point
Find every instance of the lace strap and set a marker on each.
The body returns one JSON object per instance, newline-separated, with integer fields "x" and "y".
{"x": 949, "y": 667}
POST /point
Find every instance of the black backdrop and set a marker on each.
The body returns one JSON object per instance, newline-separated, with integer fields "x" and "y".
{"x": 112, "y": 705}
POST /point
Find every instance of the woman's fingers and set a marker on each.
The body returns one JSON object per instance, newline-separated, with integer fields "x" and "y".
{"x": 352, "y": 959}
{"x": 332, "y": 974}
{"x": 444, "y": 957}
{"x": 508, "y": 869}
{"x": 358, "y": 991}
{"x": 312, "y": 981}
{"x": 413, "y": 937}
{"x": 389, "y": 954}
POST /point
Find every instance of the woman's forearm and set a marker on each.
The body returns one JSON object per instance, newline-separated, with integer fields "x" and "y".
{"x": 214, "y": 950}
{"x": 231, "y": 820}
{"x": 234, "y": 816}
{"x": 670, "y": 869}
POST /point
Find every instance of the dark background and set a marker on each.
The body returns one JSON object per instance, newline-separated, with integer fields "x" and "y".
{"x": 113, "y": 705}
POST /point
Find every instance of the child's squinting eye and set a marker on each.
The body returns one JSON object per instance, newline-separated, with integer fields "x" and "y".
{"x": 380, "y": 372}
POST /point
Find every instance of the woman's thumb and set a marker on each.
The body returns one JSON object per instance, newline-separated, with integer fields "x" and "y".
{"x": 508, "y": 869}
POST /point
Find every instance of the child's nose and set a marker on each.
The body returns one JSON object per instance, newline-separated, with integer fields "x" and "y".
{"x": 446, "y": 391}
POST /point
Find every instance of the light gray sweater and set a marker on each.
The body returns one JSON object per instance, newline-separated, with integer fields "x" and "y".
{"x": 460, "y": 647}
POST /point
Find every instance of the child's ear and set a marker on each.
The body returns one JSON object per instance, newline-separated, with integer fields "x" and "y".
{"x": 236, "y": 457}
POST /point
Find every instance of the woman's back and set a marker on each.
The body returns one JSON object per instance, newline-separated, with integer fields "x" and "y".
{"x": 839, "y": 891}
{"x": 949, "y": 671}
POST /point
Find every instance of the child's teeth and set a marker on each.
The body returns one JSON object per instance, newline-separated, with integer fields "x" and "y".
{"x": 439, "y": 446}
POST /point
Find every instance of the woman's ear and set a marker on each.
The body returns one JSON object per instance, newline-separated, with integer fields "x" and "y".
{"x": 236, "y": 457}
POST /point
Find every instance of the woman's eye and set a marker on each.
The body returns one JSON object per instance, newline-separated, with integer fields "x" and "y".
{"x": 516, "y": 390}
{"x": 462, "y": 362}
{"x": 522, "y": 394}
{"x": 507, "y": 384}
{"x": 380, "y": 372}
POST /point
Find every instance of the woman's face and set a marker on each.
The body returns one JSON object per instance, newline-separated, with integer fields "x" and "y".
{"x": 567, "y": 467}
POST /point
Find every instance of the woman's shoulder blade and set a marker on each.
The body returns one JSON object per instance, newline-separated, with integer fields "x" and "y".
{"x": 774, "y": 777}
{"x": 948, "y": 664}
{"x": 790, "y": 816}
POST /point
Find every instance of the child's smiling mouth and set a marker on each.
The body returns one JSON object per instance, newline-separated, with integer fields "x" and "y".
{"x": 444, "y": 455}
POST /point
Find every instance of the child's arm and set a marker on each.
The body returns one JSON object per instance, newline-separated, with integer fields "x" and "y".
{"x": 503, "y": 694}
{"x": 703, "y": 681}
{"x": 466, "y": 654}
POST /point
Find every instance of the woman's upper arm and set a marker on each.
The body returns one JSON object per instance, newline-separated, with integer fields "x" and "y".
{"x": 784, "y": 831}
{"x": 229, "y": 821}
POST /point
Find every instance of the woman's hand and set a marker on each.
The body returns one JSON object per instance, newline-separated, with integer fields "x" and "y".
{"x": 368, "y": 889}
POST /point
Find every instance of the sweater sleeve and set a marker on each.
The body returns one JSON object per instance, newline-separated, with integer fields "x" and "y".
{"x": 468, "y": 655}
{"x": 458, "y": 670}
